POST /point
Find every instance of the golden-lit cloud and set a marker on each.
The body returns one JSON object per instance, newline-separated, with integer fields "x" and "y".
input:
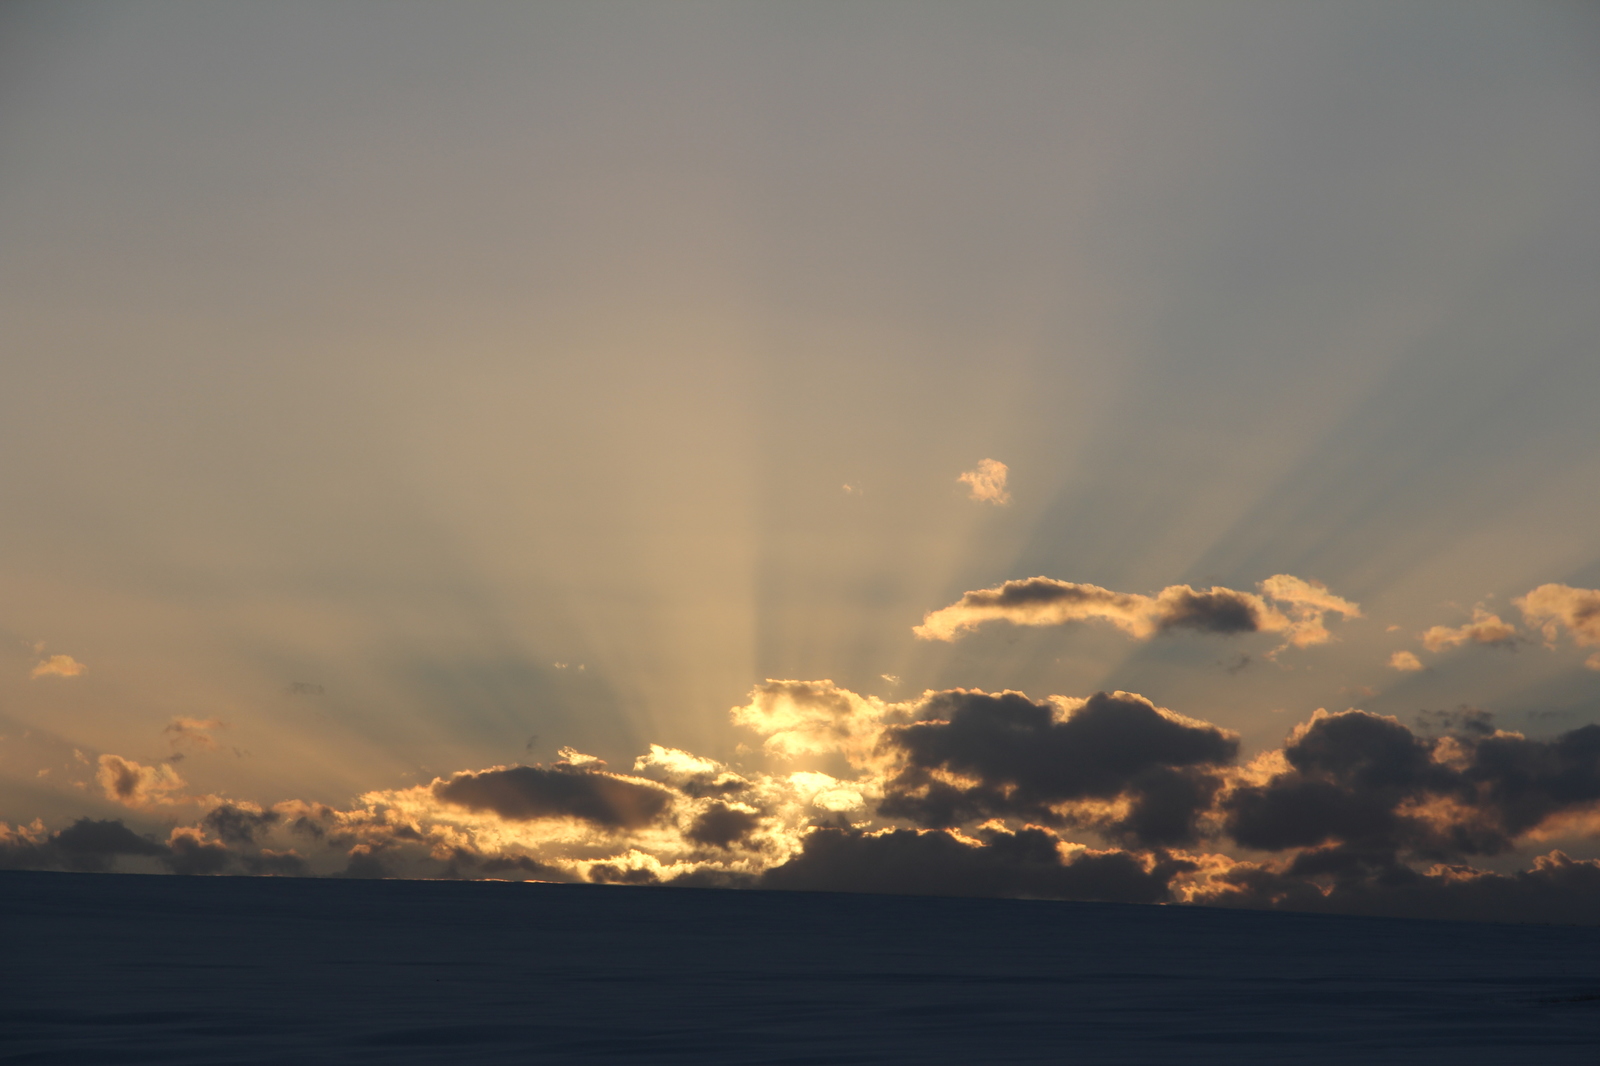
{"x": 1550, "y": 607}
{"x": 1485, "y": 628}
{"x": 1405, "y": 661}
{"x": 134, "y": 785}
{"x": 57, "y": 666}
{"x": 816, "y": 717}
{"x": 1296, "y": 609}
{"x": 987, "y": 482}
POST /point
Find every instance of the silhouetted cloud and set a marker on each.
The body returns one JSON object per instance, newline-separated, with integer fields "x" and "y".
{"x": 986, "y": 755}
{"x": 722, "y": 826}
{"x": 87, "y": 845}
{"x": 1556, "y": 889}
{"x": 522, "y": 793}
{"x": 1028, "y": 863}
{"x": 1369, "y": 785}
{"x": 239, "y": 825}
{"x": 1288, "y": 605}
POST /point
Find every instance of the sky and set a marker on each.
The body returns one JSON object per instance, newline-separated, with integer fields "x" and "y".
{"x": 451, "y": 441}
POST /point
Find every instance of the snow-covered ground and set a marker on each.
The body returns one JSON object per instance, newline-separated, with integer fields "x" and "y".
{"x": 120, "y": 968}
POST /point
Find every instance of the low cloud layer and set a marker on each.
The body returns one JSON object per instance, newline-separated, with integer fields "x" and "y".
{"x": 963, "y": 792}
{"x": 1283, "y": 604}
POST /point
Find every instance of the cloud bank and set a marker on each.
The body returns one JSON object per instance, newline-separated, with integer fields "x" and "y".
{"x": 958, "y": 791}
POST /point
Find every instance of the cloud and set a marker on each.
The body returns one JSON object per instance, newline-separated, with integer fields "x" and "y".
{"x": 1027, "y": 863}
{"x": 1360, "y": 785}
{"x": 1405, "y": 660}
{"x": 524, "y": 793}
{"x": 722, "y": 826}
{"x": 193, "y": 733}
{"x": 1485, "y": 628}
{"x": 87, "y": 845}
{"x": 269, "y": 863}
{"x": 189, "y": 852}
{"x": 1550, "y": 607}
{"x": 134, "y": 785}
{"x": 958, "y": 792}
{"x": 693, "y": 775}
{"x": 240, "y": 824}
{"x": 985, "y": 755}
{"x": 816, "y": 717}
{"x": 1556, "y": 889}
{"x": 987, "y": 483}
{"x": 57, "y": 666}
{"x": 1297, "y": 609}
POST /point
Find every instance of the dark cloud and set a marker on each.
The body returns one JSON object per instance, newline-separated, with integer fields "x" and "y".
{"x": 1216, "y": 610}
{"x": 190, "y": 853}
{"x": 238, "y": 826}
{"x": 1527, "y": 781}
{"x": 1027, "y": 864}
{"x": 1370, "y": 785}
{"x": 1557, "y": 889}
{"x": 721, "y": 826}
{"x": 606, "y": 873}
{"x": 87, "y": 845}
{"x": 365, "y": 862}
{"x": 1011, "y": 756}
{"x": 523, "y": 864}
{"x": 522, "y": 793}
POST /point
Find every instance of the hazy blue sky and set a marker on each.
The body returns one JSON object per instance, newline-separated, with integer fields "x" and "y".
{"x": 512, "y": 376}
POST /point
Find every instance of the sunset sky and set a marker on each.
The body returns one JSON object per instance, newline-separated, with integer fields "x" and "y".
{"x": 410, "y": 408}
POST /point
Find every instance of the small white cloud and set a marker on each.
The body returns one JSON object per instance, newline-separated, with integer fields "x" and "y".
{"x": 1593, "y": 661}
{"x": 853, "y": 490}
{"x": 1405, "y": 660}
{"x": 987, "y": 483}
{"x": 58, "y": 666}
{"x": 891, "y": 678}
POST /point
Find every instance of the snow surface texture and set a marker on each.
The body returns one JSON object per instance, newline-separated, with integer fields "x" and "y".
{"x": 106, "y": 968}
